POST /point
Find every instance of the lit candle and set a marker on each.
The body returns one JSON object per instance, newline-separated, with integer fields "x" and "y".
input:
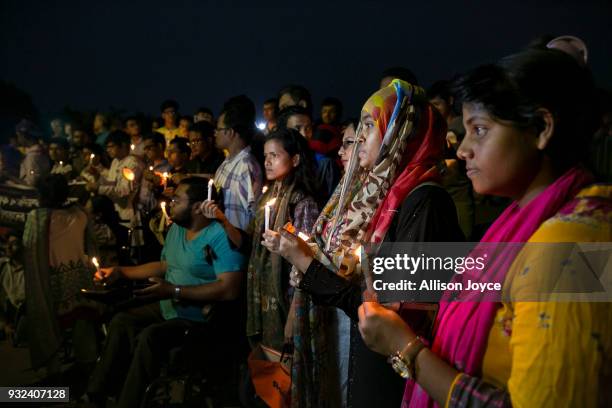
{"x": 61, "y": 163}
{"x": 129, "y": 175}
{"x": 165, "y": 217}
{"x": 211, "y": 182}
{"x": 132, "y": 147}
{"x": 92, "y": 156}
{"x": 303, "y": 236}
{"x": 165, "y": 178}
{"x": 150, "y": 168}
{"x": 94, "y": 261}
{"x": 267, "y": 213}
{"x": 264, "y": 189}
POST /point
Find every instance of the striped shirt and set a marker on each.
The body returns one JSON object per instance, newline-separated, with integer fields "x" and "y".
{"x": 241, "y": 180}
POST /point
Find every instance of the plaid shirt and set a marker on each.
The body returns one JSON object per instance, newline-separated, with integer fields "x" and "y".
{"x": 241, "y": 180}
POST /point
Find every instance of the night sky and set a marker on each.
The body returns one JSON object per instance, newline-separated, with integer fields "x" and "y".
{"x": 93, "y": 55}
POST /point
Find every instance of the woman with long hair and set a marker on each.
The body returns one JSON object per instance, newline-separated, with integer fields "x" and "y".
{"x": 528, "y": 120}
{"x": 390, "y": 193}
{"x": 276, "y": 314}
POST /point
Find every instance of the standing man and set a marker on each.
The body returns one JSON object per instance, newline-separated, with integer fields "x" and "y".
{"x": 240, "y": 174}
{"x": 133, "y": 127}
{"x": 169, "y": 112}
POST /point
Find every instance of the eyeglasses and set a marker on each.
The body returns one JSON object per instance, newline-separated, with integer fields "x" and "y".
{"x": 196, "y": 141}
{"x": 174, "y": 201}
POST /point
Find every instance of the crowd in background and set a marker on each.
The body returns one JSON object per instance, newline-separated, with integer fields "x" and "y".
{"x": 204, "y": 212}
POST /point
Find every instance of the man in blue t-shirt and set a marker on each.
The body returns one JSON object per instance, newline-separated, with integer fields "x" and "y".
{"x": 197, "y": 268}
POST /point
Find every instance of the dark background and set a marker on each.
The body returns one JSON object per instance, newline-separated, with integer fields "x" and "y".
{"x": 94, "y": 55}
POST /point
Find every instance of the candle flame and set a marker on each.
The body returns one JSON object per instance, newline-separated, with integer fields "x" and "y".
{"x": 61, "y": 163}
{"x": 150, "y": 168}
{"x": 165, "y": 174}
{"x": 128, "y": 174}
{"x": 94, "y": 261}
{"x": 92, "y": 156}
{"x": 358, "y": 252}
{"x": 264, "y": 189}
{"x": 132, "y": 146}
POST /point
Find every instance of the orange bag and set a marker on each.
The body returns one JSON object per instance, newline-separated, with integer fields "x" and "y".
{"x": 270, "y": 372}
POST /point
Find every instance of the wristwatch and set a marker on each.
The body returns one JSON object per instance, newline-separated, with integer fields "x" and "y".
{"x": 403, "y": 362}
{"x": 176, "y": 295}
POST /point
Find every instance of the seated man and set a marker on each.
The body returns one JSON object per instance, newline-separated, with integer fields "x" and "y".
{"x": 197, "y": 267}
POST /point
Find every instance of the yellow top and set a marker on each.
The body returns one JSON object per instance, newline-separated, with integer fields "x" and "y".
{"x": 552, "y": 353}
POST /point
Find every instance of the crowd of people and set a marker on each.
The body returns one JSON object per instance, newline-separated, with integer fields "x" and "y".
{"x": 245, "y": 231}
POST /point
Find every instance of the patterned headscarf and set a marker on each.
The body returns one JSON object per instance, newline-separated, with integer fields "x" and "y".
{"x": 413, "y": 136}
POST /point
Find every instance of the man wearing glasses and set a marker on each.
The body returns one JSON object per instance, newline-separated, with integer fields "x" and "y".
{"x": 239, "y": 176}
{"x": 197, "y": 270}
{"x": 205, "y": 157}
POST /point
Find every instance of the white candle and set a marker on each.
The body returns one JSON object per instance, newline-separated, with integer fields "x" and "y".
{"x": 165, "y": 216}
{"x": 165, "y": 178}
{"x": 150, "y": 168}
{"x": 303, "y": 236}
{"x": 211, "y": 182}
{"x": 94, "y": 261}
{"x": 267, "y": 213}
{"x": 264, "y": 189}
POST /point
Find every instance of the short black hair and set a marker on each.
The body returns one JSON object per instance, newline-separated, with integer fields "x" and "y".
{"x": 440, "y": 89}
{"x": 331, "y": 101}
{"x": 61, "y": 142}
{"x": 285, "y": 114}
{"x": 169, "y": 103}
{"x": 205, "y": 110}
{"x": 134, "y": 118}
{"x": 118, "y": 137}
{"x": 157, "y": 138}
{"x": 205, "y": 129}
{"x": 297, "y": 93}
{"x": 402, "y": 73}
{"x": 182, "y": 144}
{"x": 350, "y": 122}
{"x": 197, "y": 190}
{"x": 516, "y": 88}
{"x": 239, "y": 114}
{"x": 53, "y": 191}
{"x": 270, "y": 101}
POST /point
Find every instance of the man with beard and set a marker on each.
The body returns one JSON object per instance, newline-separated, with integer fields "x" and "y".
{"x": 197, "y": 270}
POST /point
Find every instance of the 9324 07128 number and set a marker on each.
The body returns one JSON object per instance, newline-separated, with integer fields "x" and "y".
{"x": 34, "y": 394}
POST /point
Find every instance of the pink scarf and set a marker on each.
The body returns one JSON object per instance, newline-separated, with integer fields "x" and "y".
{"x": 462, "y": 328}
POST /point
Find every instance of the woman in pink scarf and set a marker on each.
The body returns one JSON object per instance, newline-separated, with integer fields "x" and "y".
{"x": 527, "y": 120}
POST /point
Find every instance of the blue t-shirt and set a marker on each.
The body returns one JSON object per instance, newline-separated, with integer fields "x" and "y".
{"x": 187, "y": 265}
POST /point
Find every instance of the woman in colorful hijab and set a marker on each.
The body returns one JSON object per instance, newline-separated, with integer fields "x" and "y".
{"x": 389, "y": 194}
{"x": 528, "y": 120}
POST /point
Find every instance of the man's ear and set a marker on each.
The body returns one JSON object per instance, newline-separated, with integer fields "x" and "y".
{"x": 546, "y": 132}
{"x": 196, "y": 207}
{"x": 296, "y": 160}
{"x": 303, "y": 104}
